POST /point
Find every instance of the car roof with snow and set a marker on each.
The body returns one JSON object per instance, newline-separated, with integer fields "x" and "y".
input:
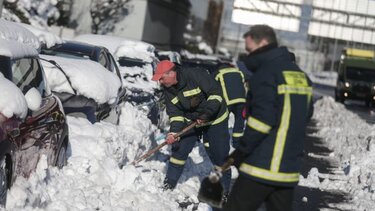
{"x": 45, "y": 37}
{"x": 11, "y": 31}
{"x": 121, "y": 47}
{"x": 15, "y": 50}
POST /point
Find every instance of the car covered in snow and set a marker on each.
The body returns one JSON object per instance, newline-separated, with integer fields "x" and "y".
{"x": 137, "y": 62}
{"x": 32, "y": 121}
{"x": 63, "y": 56}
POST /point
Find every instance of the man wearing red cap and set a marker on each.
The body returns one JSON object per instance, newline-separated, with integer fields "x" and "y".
{"x": 192, "y": 94}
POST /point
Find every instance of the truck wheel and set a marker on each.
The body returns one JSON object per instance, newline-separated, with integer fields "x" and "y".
{"x": 3, "y": 183}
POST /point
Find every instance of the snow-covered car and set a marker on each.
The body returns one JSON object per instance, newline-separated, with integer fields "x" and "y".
{"x": 32, "y": 121}
{"x": 85, "y": 87}
{"x": 137, "y": 62}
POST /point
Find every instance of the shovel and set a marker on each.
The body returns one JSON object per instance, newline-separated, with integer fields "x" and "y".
{"x": 152, "y": 151}
{"x": 211, "y": 190}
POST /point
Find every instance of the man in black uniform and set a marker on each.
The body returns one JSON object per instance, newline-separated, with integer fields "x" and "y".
{"x": 269, "y": 154}
{"x": 192, "y": 94}
{"x": 232, "y": 83}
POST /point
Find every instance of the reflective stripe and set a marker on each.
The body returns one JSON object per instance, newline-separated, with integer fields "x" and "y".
{"x": 278, "y": 149}
{"x": 258, "y": 125}
{"x": 298, "y": 90}
{"x": 216, "y": 121}
{"x": 176, "y": 119}
{"x": 215, "y": 97}
{"x": 238, "y": 100}
{"x": 192, "y": 92}
{"x": 269, "y": 175}
{"x": 206, "y": 144}
{"x": 177, "y": 161}
{"x": 174, "y": 100}
{"x": 295, "y": 78}
{"x": 237, "y": 135}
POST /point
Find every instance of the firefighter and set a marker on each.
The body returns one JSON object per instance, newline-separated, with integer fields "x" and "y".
{"x": 269, "y": 154}
{"x": 192, "y": 94}
{"x": 232, "y": 83}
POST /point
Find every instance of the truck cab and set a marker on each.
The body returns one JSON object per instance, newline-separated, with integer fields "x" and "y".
{"x": 356, "y": 76}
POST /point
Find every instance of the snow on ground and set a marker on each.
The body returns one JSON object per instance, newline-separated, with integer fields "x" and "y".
{"x": 88, "y": 78}
{"x": 352, "y": 141}
{"x": 12, "y": 100}
{"x": 92, "y": 180}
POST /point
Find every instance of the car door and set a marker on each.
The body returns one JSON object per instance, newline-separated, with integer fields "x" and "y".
{"x": 40, "y": 131}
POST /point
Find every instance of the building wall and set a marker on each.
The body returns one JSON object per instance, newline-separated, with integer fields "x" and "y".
{"x": 165, "y": 23}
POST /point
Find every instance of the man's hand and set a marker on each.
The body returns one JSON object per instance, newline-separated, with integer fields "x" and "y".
{"x": 201, "y": 121}
{"x": 171, "y": 138}
{"x": 238, "y": 157}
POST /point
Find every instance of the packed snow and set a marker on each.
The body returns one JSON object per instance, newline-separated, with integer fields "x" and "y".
{"x": 45, "y": 37}
{"x": 14, "y": 49}
{"x": 12, "y": 100}
{"x": 13, "y": 32}
{"x": 87, "y": 77}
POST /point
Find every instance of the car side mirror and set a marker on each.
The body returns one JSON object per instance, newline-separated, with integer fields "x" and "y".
{"x": 33, "y": 99}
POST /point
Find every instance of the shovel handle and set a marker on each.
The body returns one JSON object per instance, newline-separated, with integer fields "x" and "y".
{"x": 158, "y": 147}
{"x": 226, "y": 165}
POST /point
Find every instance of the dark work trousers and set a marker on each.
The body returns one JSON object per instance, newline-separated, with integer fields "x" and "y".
{"x": 248, "y": 195}
{"x": 239, "y": 121}
{"x": 217, "y": 137}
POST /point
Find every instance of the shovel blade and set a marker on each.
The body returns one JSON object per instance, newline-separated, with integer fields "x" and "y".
{"x": 211, "y": 193}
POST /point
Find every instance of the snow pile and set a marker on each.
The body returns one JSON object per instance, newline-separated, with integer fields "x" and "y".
{"x": 121, "y": 47}
{"x": 92, "y": 180}
{"x": 14, "y": 49}
{"x": 45, "y": 37}
{"x": 14, "y": 32}
{"x": 88, "y": 78}
{"x": 139, "y": 78}
{"x": 352, "y": 141}
{"x": 12, "y": 101}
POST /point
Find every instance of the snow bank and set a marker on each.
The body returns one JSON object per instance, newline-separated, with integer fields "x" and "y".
{"x": 352, "y": 141}
{"x": 88, "y": 78}
{"x": 326, "y": 78}
{"x": 92, "y": 180}
{"x": 12, "y": 101}
{"x": 14, "y": 32}
{"x": 138, "y": 78}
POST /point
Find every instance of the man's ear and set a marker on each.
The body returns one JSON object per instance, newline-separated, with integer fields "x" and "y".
{"x": 263, "y": 42}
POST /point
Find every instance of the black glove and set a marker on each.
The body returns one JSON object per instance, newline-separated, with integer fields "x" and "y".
{"x": 238, "y": 157}
{"x": 204, "y": 116}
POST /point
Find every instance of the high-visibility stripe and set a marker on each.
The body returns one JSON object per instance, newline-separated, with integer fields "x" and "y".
{"x": 223, "y": 87}
{"x": 295, "y": 78}
{"x": 177, "y": 161}
{"x": 192, "y": 92}
{"x": 215, "y": 97}
{"x": 238, "y": 100}
{"x": 174, "y": 100}
{"x": 258, "y": 125}
{"x": 237, "y": 135}
{"x": 177, "y": 119}
{"x": 216, "y": 121}
{"x": 269, "y": 175}
{"x": 278, "y": 149}
{"x": 298, "y": 90}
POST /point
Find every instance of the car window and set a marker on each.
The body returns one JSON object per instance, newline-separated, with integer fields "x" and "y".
{"x": 27, "y": 73}
{"x": 114, "y": 67}
{"x": 103, "y": 60}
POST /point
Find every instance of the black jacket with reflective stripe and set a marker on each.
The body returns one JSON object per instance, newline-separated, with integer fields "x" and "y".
{"x": 196, "y": 95}
{"x": 280, "y": 107}
{"x": 232, "y": 83}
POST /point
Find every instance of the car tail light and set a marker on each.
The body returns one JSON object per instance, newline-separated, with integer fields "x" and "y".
{"x": 3, "y": 118}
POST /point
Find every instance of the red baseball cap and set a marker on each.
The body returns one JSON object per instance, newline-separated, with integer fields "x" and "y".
{"x": 163, "y": 67}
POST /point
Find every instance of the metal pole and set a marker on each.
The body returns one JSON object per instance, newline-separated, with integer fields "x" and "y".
{"x": 222, "y": 18}
{"x": 238, "y": 39}
{"x": 1, "y": 7}
{"x": 333, "y": 56}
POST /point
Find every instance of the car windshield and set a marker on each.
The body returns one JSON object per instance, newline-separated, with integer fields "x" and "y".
{"x": 361, "y": 74}
{"x": 56, "y": 52}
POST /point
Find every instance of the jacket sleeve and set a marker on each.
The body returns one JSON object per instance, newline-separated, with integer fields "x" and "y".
{"x": 263, "y": 112}
{"x": 176, "y": 116}
{"x": 212, "y": 90}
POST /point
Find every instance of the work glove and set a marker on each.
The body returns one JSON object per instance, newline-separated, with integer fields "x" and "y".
{"x": 203, "y": 118}
{"x": 171, "y": 138}
{"x": 238, "y": 157}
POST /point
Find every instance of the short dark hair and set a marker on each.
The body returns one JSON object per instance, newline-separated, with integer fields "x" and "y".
{"x": 259, "y": 32}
